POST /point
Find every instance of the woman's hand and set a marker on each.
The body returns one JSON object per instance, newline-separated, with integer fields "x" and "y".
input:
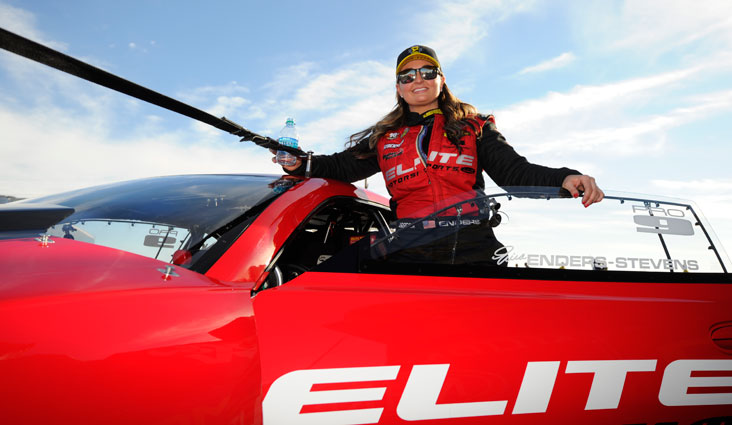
{"x": 575, "y": 183}
{"x": 293, "y": 167}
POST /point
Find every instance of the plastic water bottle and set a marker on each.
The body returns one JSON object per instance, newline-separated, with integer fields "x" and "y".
{"x": 288, "y": 137}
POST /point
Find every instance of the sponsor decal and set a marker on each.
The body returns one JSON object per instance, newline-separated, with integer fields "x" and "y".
{"x": 399, "y": 170}
{"x": 418, "y": 400}
{"x": 662, "y": 221}
{"x": 505, "y": 254}
{"x": 447, "y": 157}
{"x": 437, "y": 161}
{"x": 442, "y": 167}
{"x": 392, "y": 136}
{"x": 431, "y": 224}
{"x": 403, "y": 178}
{"x": 393, "y": 145}
{"x": 158, "y": 238}
{"x": 353, "y": 239}
{"x": 461, "y": 222}
{"x": 391, "y": 155}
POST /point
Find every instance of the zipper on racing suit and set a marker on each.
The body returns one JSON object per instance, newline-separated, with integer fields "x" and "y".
{"x": 423, "y": 159}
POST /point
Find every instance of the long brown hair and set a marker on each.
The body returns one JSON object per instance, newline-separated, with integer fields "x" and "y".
{"x": 456, "y": 112}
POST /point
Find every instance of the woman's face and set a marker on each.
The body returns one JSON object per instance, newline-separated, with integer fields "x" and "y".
{"x": 421, "y": 95}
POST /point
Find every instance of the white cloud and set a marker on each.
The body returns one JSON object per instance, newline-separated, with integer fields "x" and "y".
{"x": 453, "y": 28}
{"x": 332, "y": 90}
{"x": 204, "y": 94}
{"x": 712, "y": 196}
{"x": 23, "y": 23}
{"x": 288, "y": 80}
{"x": 326, "y": 134}
{"x": 654, "y": 27}
{"x": 671, "y": 23}
{"x": 555, "y": 63}
{"x": 704, "y": 186}
{"x": 84, "y": 154}
{"x": 326, "y": 106}
{"x": 582, "y": 98}
{"x": 628, "y": 137}
{"x": 60, "y": 134}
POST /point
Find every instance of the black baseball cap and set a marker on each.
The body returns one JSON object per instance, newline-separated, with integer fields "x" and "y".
{"x": 417, "y": 52}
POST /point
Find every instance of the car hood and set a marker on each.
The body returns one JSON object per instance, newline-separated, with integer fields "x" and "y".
{"x": 31, "y": 267}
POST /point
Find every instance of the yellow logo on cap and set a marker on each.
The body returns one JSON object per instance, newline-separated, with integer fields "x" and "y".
{"x": 415, "y": 49}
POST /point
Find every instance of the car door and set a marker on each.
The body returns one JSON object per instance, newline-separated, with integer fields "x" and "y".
{"x": 574, "y": 342}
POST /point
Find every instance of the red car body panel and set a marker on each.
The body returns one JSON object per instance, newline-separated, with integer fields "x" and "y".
{"x": 96, "y": 335}
{"x": 472, "y": 325}
{"x": 247, "y": 259}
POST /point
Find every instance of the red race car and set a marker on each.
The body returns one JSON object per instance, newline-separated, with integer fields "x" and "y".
{"x": 235, "y": 299}
{"x": 259, "y": 299}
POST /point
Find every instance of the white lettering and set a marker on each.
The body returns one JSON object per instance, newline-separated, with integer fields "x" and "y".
{"x": 465, "y": 160}
{"x": 288, "y": 395}
{"x": 393, "y": 145}
{"x": 400, "y": 171}
{"x": 290, "y": 392}
{"x": 669, "y": 212}
{"x": 693, "y": 265}
{"x": 503, "y": 255}
{"x": 609, "y": 379}
{"x": 419, "y": 399}
{"x": 677, "y": 380}
{"x": 536, "y": 387}
{"x": 445, "y": 156}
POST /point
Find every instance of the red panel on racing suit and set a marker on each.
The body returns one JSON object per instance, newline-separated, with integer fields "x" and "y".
{"x": 422, "y": 182}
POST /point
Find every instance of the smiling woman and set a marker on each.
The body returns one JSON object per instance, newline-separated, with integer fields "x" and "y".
{"x": 432, "y": 148}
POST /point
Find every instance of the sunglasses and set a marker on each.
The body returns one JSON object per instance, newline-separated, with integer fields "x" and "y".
{"x": 409, "y": 75}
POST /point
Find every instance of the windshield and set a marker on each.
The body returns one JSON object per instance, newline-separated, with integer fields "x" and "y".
{"x": 173, "y": 219}
{"x": 543, "y": 228}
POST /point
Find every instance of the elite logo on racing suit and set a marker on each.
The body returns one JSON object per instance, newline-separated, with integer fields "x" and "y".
{"x": 417, "y": 179}
{"x": 447, "y": 161}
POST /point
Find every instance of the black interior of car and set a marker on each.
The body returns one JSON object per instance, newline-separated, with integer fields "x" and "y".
{"x": 331, "y": 229}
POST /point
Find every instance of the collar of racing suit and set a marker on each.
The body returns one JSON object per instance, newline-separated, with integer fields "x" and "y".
{"x": 414, "y": 118}
{"x": 426, "y": 119}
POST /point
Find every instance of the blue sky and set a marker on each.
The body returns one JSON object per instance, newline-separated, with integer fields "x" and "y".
{"x": 637, "y": 94}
